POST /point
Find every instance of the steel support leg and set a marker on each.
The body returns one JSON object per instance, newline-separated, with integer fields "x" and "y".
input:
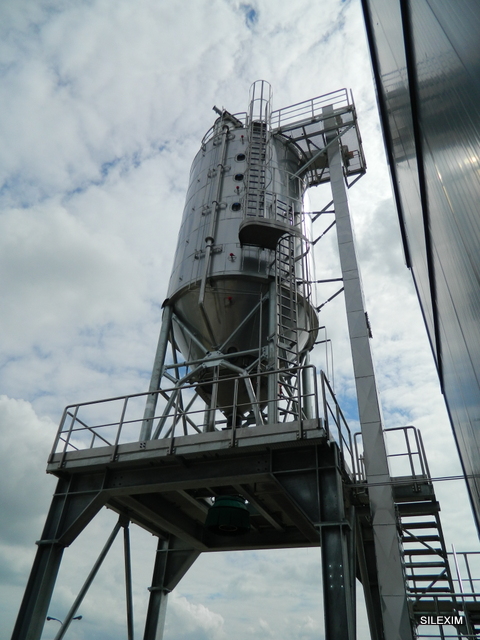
{"x": 272, "y": 409}
{"x": 146, "y": 430}
{"x": 88, "y": 582}
{"x": 67, "y": 517}
{"x": 174, "y": 558}
{"x": 368, "y": 575}
{"x": 36, "y": 600}
{"x": 396, "y": 618}
{"x": 128, "y": 581}
{"x": 338, "y": 554}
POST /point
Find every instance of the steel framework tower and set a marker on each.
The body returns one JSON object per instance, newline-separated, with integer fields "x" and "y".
{"x": 239, "y": 442}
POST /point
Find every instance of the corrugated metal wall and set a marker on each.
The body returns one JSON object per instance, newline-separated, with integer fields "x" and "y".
{"x": 426, "y": 58}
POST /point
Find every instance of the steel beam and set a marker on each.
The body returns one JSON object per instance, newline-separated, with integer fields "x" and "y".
{"x": 166, "y": 517}
{"x": 173, "y": 559}
{"x": 67, "y": 517}
{"x": 396, "y": 618}
{"x": 128, "y": 580}
{"x": 367, "y": 572}
{"x": 90, "y": 578}
{"x": 256, "y": 502}
{"x": 37, "y": 596}
{"x": 337, "y": 540}
{"x": 157, "y": 372}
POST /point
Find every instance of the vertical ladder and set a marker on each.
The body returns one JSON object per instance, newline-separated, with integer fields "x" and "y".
{"x": 287, "y": 299}
{"x": 287, "y": 330}
{"x": 257, "y": 151}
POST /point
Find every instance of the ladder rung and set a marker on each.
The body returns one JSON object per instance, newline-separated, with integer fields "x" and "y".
{"x": 286, "y": 351}
{"x": 289, "y": 385}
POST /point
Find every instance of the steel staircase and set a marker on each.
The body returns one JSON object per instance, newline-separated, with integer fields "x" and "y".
{"x": 431, "y": 588}
{"x": 426, "y": 561}
{"x": 430, "y": 585}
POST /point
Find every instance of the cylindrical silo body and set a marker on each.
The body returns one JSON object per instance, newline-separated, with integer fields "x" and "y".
{"x": 219, "y": 281}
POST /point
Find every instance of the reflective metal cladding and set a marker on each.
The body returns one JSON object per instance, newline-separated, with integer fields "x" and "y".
{"x": 427, "y": 69}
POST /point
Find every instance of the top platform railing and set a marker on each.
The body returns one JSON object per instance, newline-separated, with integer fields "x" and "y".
{"x": 309, "y": 109}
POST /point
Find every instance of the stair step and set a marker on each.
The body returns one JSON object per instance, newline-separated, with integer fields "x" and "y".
{"x": 430, "y": 590}
{"x": 424, "y": 552}
{"x": 421, "y": 525}
{"x": 423, "y": 565}
{"x": 426, "y": 577}
{"x": 424, "y": 538}
{"x": 418, "y": 508}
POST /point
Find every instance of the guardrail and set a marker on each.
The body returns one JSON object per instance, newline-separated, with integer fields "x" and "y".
{"x": 181, "y": 410}
{"x": 309, "y": 109}
{"x": 337, "y": 427}
{"x": 409, "y": 458}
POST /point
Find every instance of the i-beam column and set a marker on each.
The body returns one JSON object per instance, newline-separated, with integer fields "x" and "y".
{"x": 173, "y": 559}
{"x": 396, "y": 618}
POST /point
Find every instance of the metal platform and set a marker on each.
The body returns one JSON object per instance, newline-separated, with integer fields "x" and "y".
{"x": 167, "y": 484}
{"x": 170, "y": 493}
{"x": 294, "y": 477}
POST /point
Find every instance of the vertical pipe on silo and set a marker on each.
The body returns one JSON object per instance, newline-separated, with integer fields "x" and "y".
{"x": 210, "y": 240}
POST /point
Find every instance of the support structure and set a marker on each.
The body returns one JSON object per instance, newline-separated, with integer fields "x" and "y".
{"x": 235, "y": 408}
{"x": 395, "y": 614}
{"x": 172, "y": 561}
{"x": 338, "y": 533}
{"x": 294, "y": 486}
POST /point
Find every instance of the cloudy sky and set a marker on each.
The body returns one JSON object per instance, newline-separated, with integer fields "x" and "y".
{"x": 104, "y": 104}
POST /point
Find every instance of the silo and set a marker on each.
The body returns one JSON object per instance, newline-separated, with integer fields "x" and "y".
{"x": 240, "y": 280}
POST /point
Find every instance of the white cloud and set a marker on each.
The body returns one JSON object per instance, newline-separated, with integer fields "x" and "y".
{"x": 56, "y": 267}
{"x": 190, "y": 621}
{"x": 265, "y": 628}
{"x": 26, "y": 442}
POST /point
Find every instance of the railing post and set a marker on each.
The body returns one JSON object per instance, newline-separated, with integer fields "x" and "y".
{"x": 59, "y": 432}
{"x": 234, "y": 412}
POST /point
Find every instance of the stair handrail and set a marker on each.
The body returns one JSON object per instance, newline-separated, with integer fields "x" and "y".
{"x": 420, "y": 450}
{"x": 345, "y": 437}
